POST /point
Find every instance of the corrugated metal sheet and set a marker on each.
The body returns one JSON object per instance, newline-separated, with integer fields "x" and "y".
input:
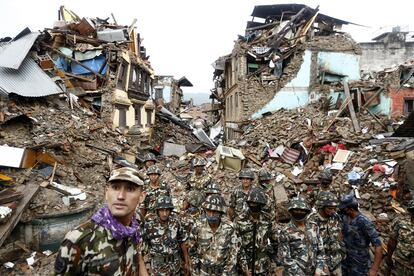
{"x": 28, "y": 81}
{"x": 13, "y": 53}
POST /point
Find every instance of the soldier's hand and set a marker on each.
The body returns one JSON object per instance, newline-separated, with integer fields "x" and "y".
{"x": 373, "y": 272}
{"x": 186, "y": 269}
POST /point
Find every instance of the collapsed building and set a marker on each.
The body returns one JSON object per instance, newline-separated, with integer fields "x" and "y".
{"x": 168, "y": 91}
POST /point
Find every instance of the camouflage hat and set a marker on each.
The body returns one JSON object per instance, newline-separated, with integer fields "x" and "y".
{"x": 127, "y": 174}
{"x": 246, "y": 173}
{"x": 199, "y": 161}
{"x": 195, "y": 198}
{"x": 265, "y": 175}
{"x": 212, "y": 188}
{"x": 325, "y": 175}
{"x": 153, "y": 170}
{"x": 150, "y": 157}
{"x": 164, "y": 202}
{"x": 348, "y": 201}
{"x": 215, "y": 202}
{"x": 326, "y": 199}
{"x": 410, "y": 206}
{"x": 256, "y": 195}
{"x": 298, "y": 203}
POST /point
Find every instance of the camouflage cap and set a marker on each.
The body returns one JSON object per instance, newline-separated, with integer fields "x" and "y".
{"x": 127, "y": 174}
{"x": 256, "y": 195}
{"x": 326, "y": 199}
{"x": 246, "y": 173}
{"x": 150, "y": 157}
{"x": 212, "y": 188}
{"x": 199, "y": 161}
{"x": 195, "y": 198}
{"x": 325, "y": 175}
{"x": 348, "y": 201}
{"x": 215, "y": 202}
{"x": 164, "y": 202}
{"x": 265, "y": 175}
{"x": 298, "y": 203}
{"x": 153, "y": 170}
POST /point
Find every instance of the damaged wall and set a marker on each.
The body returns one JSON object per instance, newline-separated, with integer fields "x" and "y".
{"x": 401, "y": 101}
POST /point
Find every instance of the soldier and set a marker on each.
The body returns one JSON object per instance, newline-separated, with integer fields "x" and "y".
{"x": 164, "y": 240}
{"x": 238, "y": 198}
{"x": 301, "y": 249}
{"x": 212, "y": 188}
{"x": 153, "y": 189}
{"x": 149, "y": 160}
{"x": 401, "y": 244}
{"x": 358, "y": 232}
{"x": 255, "y": 230}
{"x": 108, "y": 243}
{"x": 330, "y": 229}
{"x": 265, "y": 182}
{"x": 199, "y": 178}
{"x": 215, "y": 241}
{"x": 325, "y": 180}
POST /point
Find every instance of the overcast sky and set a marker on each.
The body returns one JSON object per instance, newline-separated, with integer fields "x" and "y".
{"x": 183, "y": 37}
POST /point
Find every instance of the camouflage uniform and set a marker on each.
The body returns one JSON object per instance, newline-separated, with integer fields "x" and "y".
{"x": 358, "y": 234}
{"x": 270, "y": 208}
{"x": 153, "y": 193}
{"x": 239, "y": 196}
{"x": 216, "y": 251}
{"x": 162, "y": 241}
{"x": 403, "y": 233}
{"x": 257, "y": 238}
{"x": 301, "y": 251}
{"x": 330, "y": 230}
{"x": 143, "y": 171}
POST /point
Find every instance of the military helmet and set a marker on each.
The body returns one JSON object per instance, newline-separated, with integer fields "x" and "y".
{"x": 215, "y": 202}
{"x": 246, "y": 173}
{"x": 298, "y": 203}
{"x": 256, "y": 195}
{"x": 153, "y": 170}
{"x": 164, "y": 202}
{"x": 195, "y": 198}
{"x": 199, "y": 161}
{"x": 325, "y": 176}
{"x": 326, "y": 199}
{"x": 265, "y": 175}
{"x": 127, "y": 174}
{"x": 348, "y": 201}
{"x": 212, "y": 188}
{"x": 410, "y": 206}
{"x": 150, "y": 157}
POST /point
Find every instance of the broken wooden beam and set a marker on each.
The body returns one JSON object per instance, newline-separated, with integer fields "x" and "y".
{"x": 351, "y": 108}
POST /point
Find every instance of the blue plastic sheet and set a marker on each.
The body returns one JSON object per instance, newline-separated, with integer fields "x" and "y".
{"x": 95, "y": 64}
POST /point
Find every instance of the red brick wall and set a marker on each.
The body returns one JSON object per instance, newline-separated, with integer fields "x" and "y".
{"x": 397, "y": 100}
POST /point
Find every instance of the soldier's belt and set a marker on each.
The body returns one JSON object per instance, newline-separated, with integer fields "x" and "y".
{"x": 211, "y": 269}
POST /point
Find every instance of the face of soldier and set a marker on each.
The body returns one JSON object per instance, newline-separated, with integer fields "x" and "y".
{"x": 213, "y": 216}
{"x": 328, "y": 211}
{"x": 198, "y": 170}
{"x": 122, "y": 198}
{"x": 149, "y": 163}
{"x": 153, "y": 177}
{"x": 246, "y": 182}
{"x": 164, "y": 214}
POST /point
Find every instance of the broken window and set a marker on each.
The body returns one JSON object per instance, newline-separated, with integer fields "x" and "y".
{"x": 122, "y": 76}
{"x": 408, "y": 105}
{"x": 158, "y": 93}
{"x": 137, "y": 108}
{"x": 122, "y": 117}
{"x": 149, "y": 117}
{"x": 134, "y": 79}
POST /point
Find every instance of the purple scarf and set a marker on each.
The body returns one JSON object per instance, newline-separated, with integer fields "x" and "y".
{"x": 119, "y": 231}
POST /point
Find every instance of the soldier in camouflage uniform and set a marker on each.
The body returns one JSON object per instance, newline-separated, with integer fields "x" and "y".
{"x": 325, "y": 180}
{"x": 149, "y": 160}
{"x": 238, "y": 198}
{"x": 266, "y": 183}
{"x": 199, "y": 178}
{"x": 215, "y": 241}
{"x": 164, "y": 240}
{"x": 401, "y": 244}
{"x": 258, "y": 239}
{"x": 330, "y": 229}
{"x": 358, "y": 232}
{"x": 108, "y": 243}
{"x": 301, "y": 250}
{"x": 154, "y": 188}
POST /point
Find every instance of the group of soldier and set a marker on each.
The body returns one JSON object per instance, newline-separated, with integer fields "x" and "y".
{"x": 138, "y": 231}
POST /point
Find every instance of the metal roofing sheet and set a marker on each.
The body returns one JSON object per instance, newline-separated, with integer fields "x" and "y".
{"x": 13, "y": 53}
{"x": 28, "y": 81}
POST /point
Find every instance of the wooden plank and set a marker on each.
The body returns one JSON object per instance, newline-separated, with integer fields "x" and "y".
{"x": 351, "y": 108}
{"x": 343, "y": 106}
{"x": 359, "y": 99}
{"x": 9, "y": 196}
{"x": 375, "y": 117}
{"x": 5, "y": 229}
{"x": 373, "y": 97}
